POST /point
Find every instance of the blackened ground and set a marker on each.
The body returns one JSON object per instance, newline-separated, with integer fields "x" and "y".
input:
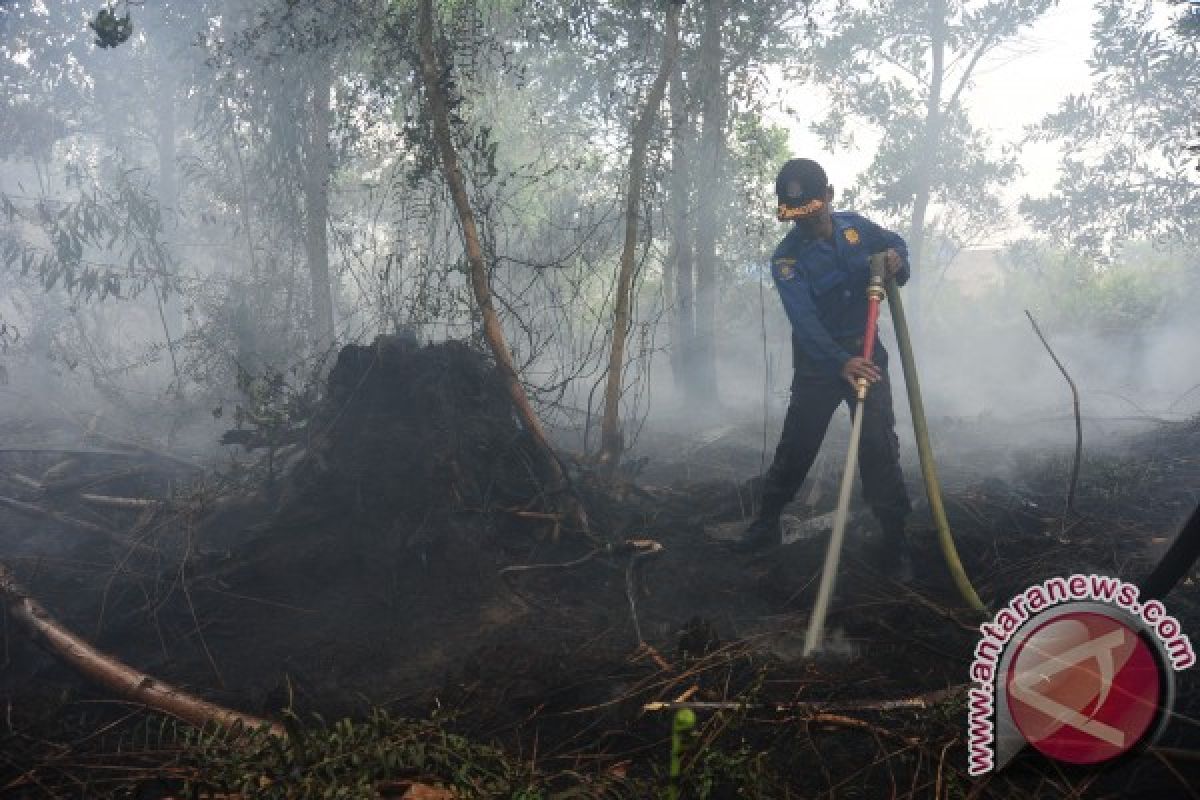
{"x": 375, "y": 580}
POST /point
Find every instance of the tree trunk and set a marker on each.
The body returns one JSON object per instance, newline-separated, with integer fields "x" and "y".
{"x": 493, "y": 333}
{"x": 168, "y": 174}
{"x": 610, "y": 429}
{"x": 923, "y": 172}
{"x": 680, "y": 255}
{"x": 708, "y": 182}
{"x": 317, "y": 170}
{"x": 170, "y": 309}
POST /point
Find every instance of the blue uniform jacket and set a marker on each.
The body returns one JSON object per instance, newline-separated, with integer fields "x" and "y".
{"x": 823, "y": 285}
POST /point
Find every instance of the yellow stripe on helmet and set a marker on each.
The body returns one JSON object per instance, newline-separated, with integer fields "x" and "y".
{"x": 787, "y": 212}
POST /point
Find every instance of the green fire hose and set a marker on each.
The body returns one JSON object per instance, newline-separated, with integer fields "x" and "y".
{"x": 933, "y": 489}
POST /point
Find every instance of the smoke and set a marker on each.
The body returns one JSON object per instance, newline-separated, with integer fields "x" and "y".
{"x": 992, "y": 394}
{"x": 553, "y": 219}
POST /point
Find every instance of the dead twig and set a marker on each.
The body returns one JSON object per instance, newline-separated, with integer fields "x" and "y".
{"x": 843, "y": 721}
{"x": 937, "y": 785}
{"x": 32, "y": 510}
{"x": 1078, "y": 421}
{"x": 145, "y": 450}
{"x": 1176, "y": 753}
{"x": 586, "y": 557}
{"x": 84, "y": 482}
{"x": 24, "y": 480}
{"x": 1182, "y": 397}
{"x": 1165, "y": 761}
{"x": 128, "y": 503}
{"x": 59, "y": 470}
{"x": 913, "y": 703}
{"x": 37, "y": 511}
{"x": 74, "y": 451}
{"x": 536, "y": 515}
{"x": 642, "y": 547}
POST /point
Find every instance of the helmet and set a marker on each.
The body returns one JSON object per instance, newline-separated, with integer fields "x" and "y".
{"x": 801, "y": 188}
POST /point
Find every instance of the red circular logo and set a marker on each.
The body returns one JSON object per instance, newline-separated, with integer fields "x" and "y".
{"x": 1084, "y": 687}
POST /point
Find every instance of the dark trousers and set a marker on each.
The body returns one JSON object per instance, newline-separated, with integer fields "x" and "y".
{"x": 814, "y": 399}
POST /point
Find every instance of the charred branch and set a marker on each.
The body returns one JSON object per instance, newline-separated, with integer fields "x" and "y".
{"x": 106, "y": 671}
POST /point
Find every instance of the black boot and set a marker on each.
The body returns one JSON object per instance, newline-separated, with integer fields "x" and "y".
{"x": 763, "y": 533}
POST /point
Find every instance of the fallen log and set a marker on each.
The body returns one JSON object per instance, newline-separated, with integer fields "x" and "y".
{"x": 128, "y": 503}
{"x": 89, "y": 481}
{"x": 32, "y": 510}
{"x": 145, "y": 450}
{"x": 88, "y": 451}
{"x": 106, "y": 671}
{"x": 253, "y": 439}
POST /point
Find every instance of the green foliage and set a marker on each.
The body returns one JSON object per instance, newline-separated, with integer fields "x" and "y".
{"x": 1188, "y": 22}
{"x": 346, "y": 759}
{"x": 272, "y": 404}
{"x": 110, "y": 29}
{"x": 902, "y": 68}
{"x": 1125, "y": 173}
{"x": 1139, "y": 287}
{"x": 740, "y": 771}
{"x": 112, "y": 217}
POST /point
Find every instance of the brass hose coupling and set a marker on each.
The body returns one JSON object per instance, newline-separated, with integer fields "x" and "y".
{"x": 875, "y": 290}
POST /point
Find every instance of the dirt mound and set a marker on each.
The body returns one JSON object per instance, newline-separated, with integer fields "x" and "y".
{"x": 390, "y": 531}
{"x": 406, "y": 434}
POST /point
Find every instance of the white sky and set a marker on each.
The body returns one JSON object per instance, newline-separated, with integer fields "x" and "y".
{"x": 1013, "y": 88}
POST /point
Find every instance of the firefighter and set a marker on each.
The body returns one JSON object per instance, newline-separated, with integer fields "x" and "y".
{"x": 821, "y": 271}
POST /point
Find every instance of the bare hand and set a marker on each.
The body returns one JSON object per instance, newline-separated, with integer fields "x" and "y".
{"x": 858, "y": 367}
{"x": 893, "y": 261}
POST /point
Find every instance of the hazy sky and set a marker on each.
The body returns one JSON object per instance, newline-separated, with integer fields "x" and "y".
{"x": 1013, "y": 88}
